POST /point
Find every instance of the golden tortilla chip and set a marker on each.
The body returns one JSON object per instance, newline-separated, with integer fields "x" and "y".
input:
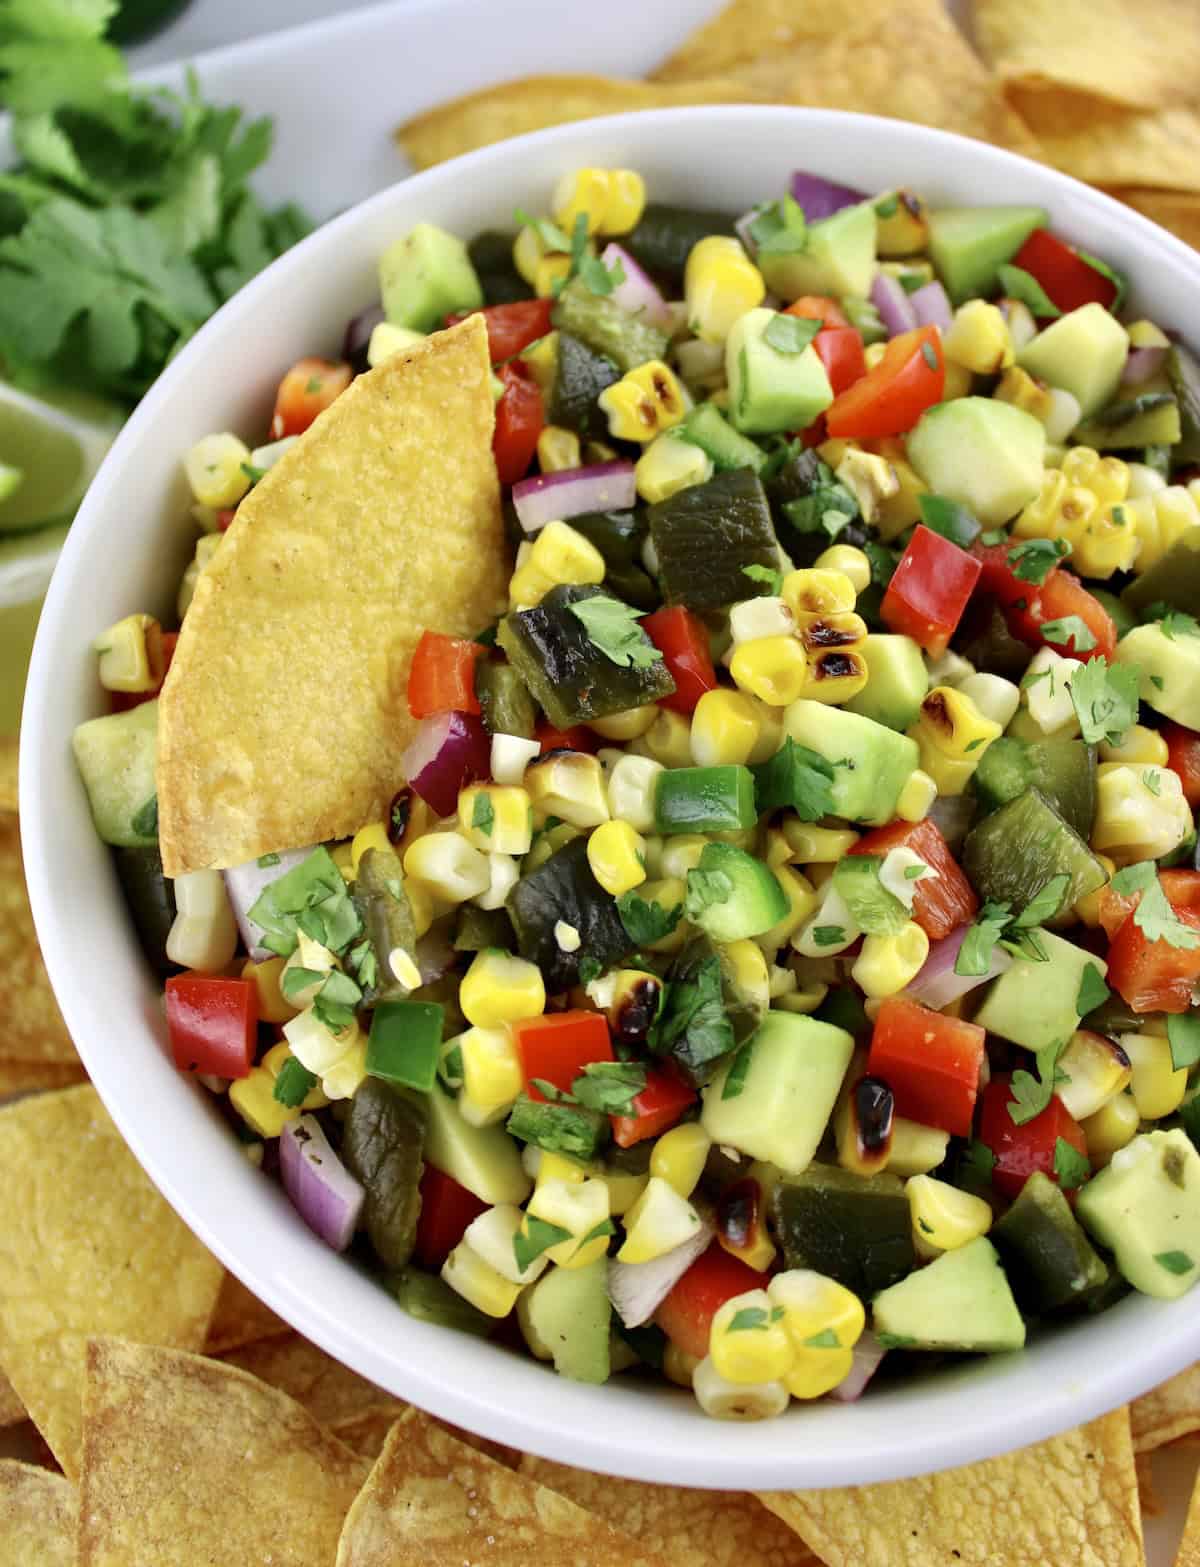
{"x": 1167, "y": 1412}
{"x": 1189, "y": 1546}
{"x": 367, "y": 1432}
{"x": 1151, "y": 1502}
{"x": 188, "y": 1461}
{"x": 329, "y": 1391}
{"x": 750, "y": 30}
{"x": 285, "y": 714}
{"x": 12, "y": 1410}
{"x": 1176, "y": 210}
{"x": 239, "y": 1318}
{"x": 28, "y": 1077}
{"x": 90, "y": 1247}
{"x": 8, "y": 772}
{"x": 33, "y": 1025}
{"x": 37, "y": 1517}
{"x": 1144, "y": 56}
{"x": 1106, "y": 145}
{"x": 431, "y": 1501}
{"x": 1071, "y": 1499}
{"x": 702, "y": 1528}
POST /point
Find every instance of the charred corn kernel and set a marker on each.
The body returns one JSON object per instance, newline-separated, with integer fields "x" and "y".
{"x": 130, "y": 654}
{"x": 1137, "y": 744}
{"x": 1088, "y": 908}
{"x": 1141, "y": 812}
{"x": 952, "y": 735}
{"x": 774, "y": 669}
{"x": 216, "y": 470}
{"x": 678, "y": 1366}
{"x": 836, "y": 676}
{"x": 511, "y": 755}
{"x": 579, "y": 1207}
{"x": 767, "y": 616}
{"x": 748, "y": 1342}
{"x": 916, "y": 1149}
{"x": 902, "y": 225}
{"x": 631, "y": 788}
{"x": 899, "y": 511}
{"x": 582, "y": 191}
{"x": 561, "y": 553}
{"x": 614, "y": 853}
{"x": 346, "y": 1076}
{"x": 996, "y": 698}
{"x": 491, "y": 1236}
{"x": 373, "y": 836}
{"x": 1156, "y": 1086}
{"x": 849, "y": 561}
{"x": 802, "y": 900}
{"x": 681, "y": 854}
{"x": 745, "y": 961}
{"x": 273, "y": 1006}
{"x": 916, "y": 797}
{"x": 503, "y": 875}
{"x": 669, "y": 465}
{"x": 821, "y": 634}
{"x": 759, "y": 1252}
{"x": 668, "y": 740}
{"x": 944, "y": 1217}
{"x": 678, "y": 1157}
{"x": 1083, "y": 502}
{"x": 492, "y": 1075}
{"x": 659, "y": 1221}
{"x": 204, "y": 933}
{"x": 206, "y": 548}
{"x": 626, "y": 201}
{"x": 1160, "y": 519}
{"x": 420, "y": 903}
{"x": 812, "y": 844}
{"x": 644, "y": 402}
{"x": 887, "y": 964}
{"x": 721, "y": 1399}
{"x": 871, "y": 479}
{"x": 824, "y": 1322}
{"x": 814, "y": 591}
{"x": 465, "y": 1271}
{"x": 628, "y": 725}
{"x": 447, "y": 866}
{"x": 725, "y": 727}
{"x": 569, "y": 785}
{"x": 557, "y": 449}
{"x": 253, "y": 1097}
{"x": 496, "y": 818}
{"x": 1018, "y": 387}
{"x": 720, "y": 283}
{"x": 978, "y": 339}
{"x": 1113, "y": 1126}
{"x": 957, "y": 383}
{"x": 550, "y": 271}
{"x": 498, "y": 989}
{"x": 273, "y": 1063}
{"x": 1095, "y": 1070}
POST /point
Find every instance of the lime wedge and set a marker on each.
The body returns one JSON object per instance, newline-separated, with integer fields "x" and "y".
{"x": 26, "y": 563}
{"x": 47, "y": 458}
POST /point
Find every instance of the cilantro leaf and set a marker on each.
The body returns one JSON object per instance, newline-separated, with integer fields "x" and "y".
{"x": 757, "y": 573}
{"x": 1069, "y": 628}
{"x": 739, "y": 1069}
{"x": 694, "y": 1026}
{"x": 589, "y": 969}
{"x": 749, "y": 1319}
{"x": 1177, "y": 624}
{"x": 797, "y": 779}
{"x": 553, "y": 237}
{"x": 778, "y": 227}
{"x": 825, "y": 1339}
{"x": 975, "y": 953}
{"x": 1022, "y": 285}
{"x": 1033, "y": 559}
{"x": 828, "y": 935}
{"x": 613, "y": 628}
{"x": 483, "y": 813}
{"x": 144, "y": 821}
{"x": 895, "y": 1340}
{"x": 1119, "y": 279}
{"x": 293, "y": 1084}
{"x": 1183, "y": 1032}
{"x": 1045, "y": 904}
{"x": 829, "y": 506}
{"x": 336, "y": 1001}
{"x": 1093, "y": 992}
{"x": 1031, "y": 1095}
{"x": 1105, "y": 698}
{"x": 704, "y": 888}
{"x": 1154, "y": 915}
{"x": 976, "y": 1165}
{"x": 1177, "y": 1262}
{"x": 644, "y": 922}
{"x": 1070, "y": 1166}
{"x": 533, "y": 1238}
{"x": 610, "y": 1086}
{"x": 790, "y": 335}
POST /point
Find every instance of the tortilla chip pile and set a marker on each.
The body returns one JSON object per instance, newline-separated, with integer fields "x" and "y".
{"x": 1107, "y": 90}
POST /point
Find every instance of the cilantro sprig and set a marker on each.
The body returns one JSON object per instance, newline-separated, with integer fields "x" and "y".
{"x": 1154, "y": 916}
{"x": 1032, "y": 560}
{"x": 613, "y": 628}
{"x": 1031, "y": 1095}
{"x": 1105, "y": 698}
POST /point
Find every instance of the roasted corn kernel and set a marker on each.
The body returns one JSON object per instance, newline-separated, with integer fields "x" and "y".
{"x": 669, "y": 465}
{"x": 668, "y": 740}
{"x": 720, "y": 284}
{"x": 900, "y": 510}
{"x": 465, "y": 1271}
{"x": 823, "y": 1321}
{"x": 631, "y": 788}
{"x": 204, "y": 933}
{"x": 678, "y": 1157}
{"x": 916, "y": 797}
{"x": 498, "y": 989}
{"x": 952, "y": 735}
{"x": 1160, "y": 519}
{"x": 1018, "y": 387}
{"x": 253, "y": 1097}
{"x": 448, "y": 866}
{"x": 130, "y": 656}
{"x": 569, "y": 785}
{"x": 496, "y": 818}
{"x": 659, "y": 1221}
{"x": 491, "y": 1236}
{"x": 802, "y": 900}
{"x": 1112, "y": 1126}
{"x": 373, "y": 836}
{"x": 724, "y": 1400}
{"x": 774, "y": 669}
{"x": 996, "y": 698}
{"x": 725, "y": 728}
{"x": 765, "y": 616}
{"x": 615, "y": 855}
{"x": 748, "y": 1341}
{"x": 562, "y": 555}
{"x": 887, "y": 964}
{"x": 644, "y": 402}
{"x": 943, "y": 1216}
{"x": 814, "y": 591}
{"x": 1095, "y": 1070}
{"x": 557, "y": 449}
{"x": 1156, "y": 1085}
{"x": 550, "y": 273}
{"x": 1141, "y": 812}
{"x": 915, "y": 1149}
{"x": 578, "y": 1207}
{"x": 583, "y": 191}
{"x": 851, "y": 562}
{"x": 492, "y": 1075}
{"x": 870, "y": 478}
{"x": 978, "y": 339}
{"x": 346, "y": 1076}
{"x": 1084, "y": 502}
{"x": 216, "y": 469}
{"x": 1137, "y": 744}
{"x": 628, "y": 725}
{"x": 814, "y": 845}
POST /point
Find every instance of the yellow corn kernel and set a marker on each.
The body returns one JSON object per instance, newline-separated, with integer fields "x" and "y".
{"x": 873, "y": 355}
{"x": 678, "y": 1365}
{"x": 725, "y": 728}
{"x": 557, "y": 449}
{"x": 1094, "y": 1071}
{"x": 253, "y": 1097}
{"x": 528, "y": 251}
{"x": 770, "y": 732}
{"x": 668, "y": 892}
{"x": 130, "y": 654}
{"x": 216, "y": 470}
{"x": 569, "y": 785}
{"x": 499, "y": 989}
{"x": 465, "y": 1271}
{"x": 1106, "y": 477}
{"x": 1141, "y": 812}
{"x": 541, "y": 360}
{"x": 339, "y": 853}
{"x": 823, "y": 1321}
{"x": 813, "y": 845}
{"x": 870, "y": 478}
{"x": 626, "y": 201}
{"x": 802, "y": 900}
{"x": 916, "y": 1149}
{"x": 806, "y": 998}
{"x": 835, "y": 677}
{"x": 774, "y": 669}
{"x": 420, "y": 903}
{"x": 1088, "y": 908}
{"x": 1137, "y": 744}
{"x": 957, "y": 383}
{"x": 817, "y": 591}
{"x": 669, "y": 465}
{"x": 616, "y": 855}
{"x": 681, "y": 854}
{"x": 634, "y": 721}
{"x": 821, "y": 634}
{"x": 943, "y": 1217}
{"x": 562, "y": 554}
{"x": 849, "y": 561}
{"x": 273, "y": 1063}
{"x": 373, "y": 836}
{"x": 551, "y": 271}
{"x": 1113, "y": 1126}
{"x": 492, "y": 1075}
{"x": 578, "y": 1207}
{"x": 720, "y": 283}
{"x": 887, "y": 964}
{"x": 1162, "y": 518}
{"x": 916, "y": 797}
{"x": 273, "y": 1007}
{"x": 345, "y": 1077}
{"x": 668, "y": 740}
{"x": 758, "y": 1253}
{"x": 527, "y": 587}
{"x": 548, "y": 842}
{"x": 899, "y": 511}
{"x": 450, "y": 868}
{"x": 1019, "y": 388}
{"x": 496, "y": 818}
{"x": 679, "y": 1155}
{"x": 978, "y": 339}
{"x": 748, "y": 1342}
{"x": 582, "y": 191}
{"x": 644, "y": 403}
{"x": 744, "y": 960}
{"x": 659, "y": 1221}
{"x": 558, "y": 1167}
{"x": 952, "y": 735}
{"x": 1156, "y": 1086}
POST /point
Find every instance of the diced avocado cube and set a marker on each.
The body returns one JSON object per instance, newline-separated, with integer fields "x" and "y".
{"x": 116, "y": 756}
{"x": 789, "y": 1084}
{"x": 568, "y": 1312}
{"x": 987, "y": 454}
{"x": 1168, "y": 670}
{"x": 771, "y": 389}
{"x": 1082, "y": 352}
{"x": 1145, "y": 1207}
{"x": 732, "y": 896}
{"x": 856, "y": 1229}
{"x": 960, "y": 1301}
{"x": 1049, "y": 1261}
{"x": 484, "y": 1159}
{"x": 1032, "y": 1003}
{"x": 897, "y": 681}
{"x": 426, "y": 276}
{"x": 968, "y": 245}
{"x": 871, "y": 764}
{"x": 838, "y": 257}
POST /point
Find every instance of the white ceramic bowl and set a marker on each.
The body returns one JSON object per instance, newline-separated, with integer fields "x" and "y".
{"x": 125, "y": 552}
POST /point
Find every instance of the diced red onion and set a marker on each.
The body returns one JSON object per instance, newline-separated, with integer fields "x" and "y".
{"x": 820, "y": 197}
{"x": 893, "y": 304}
{"x": 358, "y": 335}
{"x": 1141, "y": 364}
{"x": 322, "y": 1190}
{"x": 937, "y": 985}
{"x": 547, "y": 497}
{"x": 637, "y": 292}
{"x": 447, "y": 751}
{"x": 868, "y": 1353}
{"x": 244, "y": 884}
{"x": 931, "y": 306}
{"x": 435, "y": 954}
{"x": 952, "y": 815}
{"x": 638, "y": 1289}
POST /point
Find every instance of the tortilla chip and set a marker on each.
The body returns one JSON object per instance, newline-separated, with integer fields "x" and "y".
{"x": 431, "y": 1501}
{"x": 239, "y": 1318}
{"x": 12, "y": 1410}
{"x": 1178, "y": 211}
{"x": 1106, "y": 145}
{"x": 33, "y": 1025}
{"x": 1189, "y": 1546}
{"x": 1151, "y": 1502}
{"x": 90, "y": 1247}
{"x": 37, "y": 1516}
{"x": 1167, "y": 1412}
{"x": 750, "y": 30}
{"x": 704, "y": 1528}
{"x": 284, "y": 716}
{"x": 1071, "y": 1499}
{"x": 8, "y": 772}
{"x": 28, "y": 1077}
{"x": 366, "y": 1434}
{"x": 1144, "y": 56}
{"x": 328, "y": 1390}
{"x": 186, "y": 1460}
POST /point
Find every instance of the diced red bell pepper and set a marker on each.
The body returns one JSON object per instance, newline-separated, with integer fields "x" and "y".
{"x": 997, "y": 577}
{"x": 510, "y": 328}
{"x": 818, "y": 307}
{"x": 557, "y": 1047}
{"x": 1063, "y": 273}
{"x": 840, "y": 350}
{"x": 519, "y": 422}
{"x": 122, "y": 701}
{"x": 1020, "y": 1150}
{"x": 446, "y": 1210}
{"x": 889, "y": 400}
{"x": 224, "y": 517}
{"x": 306, "y": 391}
{"x": 929, "y": 590}
{"x": 577, "y": 738}
{"x": 442, "y": 676}
{"x": 1154, "y": 976}
{"x": 212, "y": 1023}
{"x": 941, "y": 903}
{"x": 1063, "y": 594}
{"x": 659, "y": 1105}
{"x": 1183, "y": 758}
{"x": 682, "y": 639}
{"x": 686, "y": 1314}
{"x": 931, "y": 1063}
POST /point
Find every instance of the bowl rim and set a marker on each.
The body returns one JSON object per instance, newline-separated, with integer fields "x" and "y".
{"x": 568, "y": 1421}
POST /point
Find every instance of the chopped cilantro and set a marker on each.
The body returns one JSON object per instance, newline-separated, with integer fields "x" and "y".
{"x": 533, "y": 1238}
{"x": 549, "y": 233}
{"x": 977, "y": 1163}
{"x": 645, "y": 922}
{"x": 483, "y": 813}
{"x": 293, "y": 1084}
{"x": 1093, "y": 992}
{"x": 296, "y": 979}
{"x": 1177, "y": 624}
{"x": 265, "y": 861}
{"x": 1022, "y": 285}
{"x": 779, "y": 228}
{"x": 589, "y": 969}
{"x": 1031, "y": 1095}
{"x": 335, "y": 1003}
{"x": 888, "y": 207}
{"x": 915, "y": 872}
{"x": 828, "y": 935}
{"x": 1033, "y": 559}
{"x": 1105, "y": 698}
{"x": 1154, "y": 915}
{"x": 750, "y": 1319}
{"x": 590, "y": 270}
{"x": 790, "y": 335}
{"x": 144, "y": 821}
{"x": 1069, "y": 628}
{"x": 757, "y": 573}
{"x": 883, "y": 562}
{"x": 252, "y": 473}
{"x": 694, "y": 1023}
{"x": 993, "y": 537}
{"x": 609, "y": 1086}
{"x": 825, "y": 1339}
{"x": 1176, "y": 1262}
{"x": 1070, "y": 1166}
{"x": 1183, "y": 1032}
{"x": 1153, "y": 780}
{"x": 1118, "y": 279}
{"x": 450, "y": 1067}
{"x": 613, "y": 628}
{"x": 1157, "y": 682}
{"x": 1045, "y": 904}
{"x": 605, "y": 1227}
{"x": 797, "y": 779}
{"x": 975, "y": 953}
{"x": 312, "y": 897}
{"x": 929, "y": 355}
{"x": 894, "y": 1340}
{"x": 705, "y": 888}
{"x": 739, "y": 1067}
